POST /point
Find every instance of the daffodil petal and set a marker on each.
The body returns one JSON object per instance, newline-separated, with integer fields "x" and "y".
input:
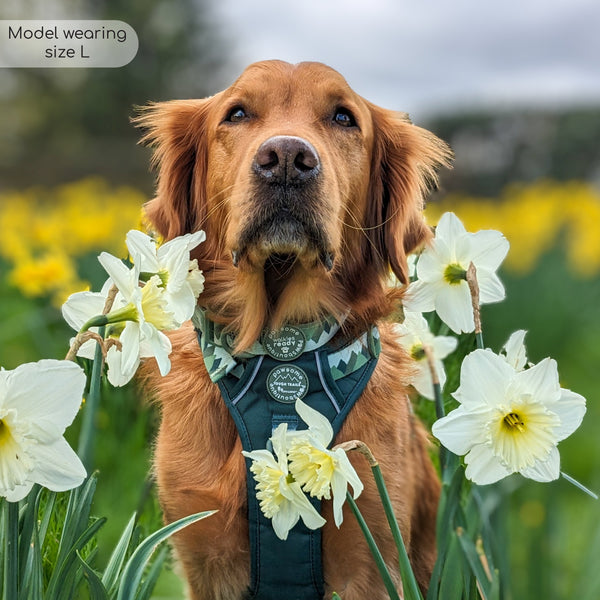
{"x": 58, "y": 467}
{"x": 422, "y": 381}
{"x": 48, "y": 394}
{"x": 443, "y": 345}
{"x": 182, "y": 301}
{"x": 82, "y": 306}
{"x": 462, "y": 429}
{"x": 483, "y": 467}
{"x": 86, "y": 350}
{"x": 308, "y": 513}
{"x": 420, "y": 296}
{"x": 18, "y": 492}
{"x": 346, "y": 469}
{"x": 279, "y": 441}
{"x": 144, "y": 247}
{"x": 160, "y": 346}
{"x": 491, "y": 248}
{"x": 430, "y": 266}
{"x": 514, "y": 349}
{"x": 484, "y": 378}
{"x": 453, "y": 305}
{"x": 491, "y": 289}
{"x": 544, "y": 470}
{"x": 130, "y": 342}
{"x": 449, "y": 227}
{"x": 263, "y": 456}
{"x": 339, "y": 487}
{"x": 570, "y": 408}
{"x": 116, "y": 375}
{"x": 319, "y": 425}
{"x": 118, "y": 272}
{"x": 284, "y": 519}
{"x": 541, "y": 381}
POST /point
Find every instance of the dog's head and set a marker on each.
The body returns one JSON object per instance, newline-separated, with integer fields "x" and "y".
{"x": 308, "y": 194}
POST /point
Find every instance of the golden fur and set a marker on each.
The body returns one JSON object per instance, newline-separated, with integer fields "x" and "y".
{"x": 359, "y": 216}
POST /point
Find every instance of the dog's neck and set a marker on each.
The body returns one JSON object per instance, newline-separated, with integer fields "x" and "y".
{"x": 279, "y": 270}
{"x": 283, "y": 292}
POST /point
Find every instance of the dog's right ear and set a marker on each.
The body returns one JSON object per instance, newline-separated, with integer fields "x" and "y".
{"x": 177, "y": 132}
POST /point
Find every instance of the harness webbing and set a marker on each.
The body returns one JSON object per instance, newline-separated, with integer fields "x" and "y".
{"x": 260, "y": 392}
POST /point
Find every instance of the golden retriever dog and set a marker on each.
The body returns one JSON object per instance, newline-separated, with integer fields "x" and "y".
{"x": 310, "y": 197}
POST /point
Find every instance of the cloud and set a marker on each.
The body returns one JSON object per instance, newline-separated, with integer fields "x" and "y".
{"x": 432, "y": 56}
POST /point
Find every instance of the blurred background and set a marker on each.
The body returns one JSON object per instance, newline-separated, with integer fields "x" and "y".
{"x": 514, "y": 87}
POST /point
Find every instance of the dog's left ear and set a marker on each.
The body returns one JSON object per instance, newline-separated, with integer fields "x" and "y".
{"x": 405, "y": 163}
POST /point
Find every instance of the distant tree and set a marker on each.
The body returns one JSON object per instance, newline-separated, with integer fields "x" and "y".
{"x": 494, "y": 149}
{"x": 60, "y": 124}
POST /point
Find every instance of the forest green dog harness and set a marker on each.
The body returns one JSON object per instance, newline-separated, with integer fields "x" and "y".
{"x": 260, "y": 388}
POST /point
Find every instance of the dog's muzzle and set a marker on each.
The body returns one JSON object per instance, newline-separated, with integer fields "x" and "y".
{"x": 287, "y": 216}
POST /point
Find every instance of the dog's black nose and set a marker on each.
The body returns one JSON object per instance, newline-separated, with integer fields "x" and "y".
{"x": 286, "y": 159}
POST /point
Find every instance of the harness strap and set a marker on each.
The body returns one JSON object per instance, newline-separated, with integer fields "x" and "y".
{"x": 260, "y": 398}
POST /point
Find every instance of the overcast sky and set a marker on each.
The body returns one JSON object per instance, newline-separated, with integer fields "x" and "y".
{"x": 428, "y": 56}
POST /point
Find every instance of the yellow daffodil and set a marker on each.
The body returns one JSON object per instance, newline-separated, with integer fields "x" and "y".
{"x": 145, "y": 313}
{"x": 279, "y": 495}
{"x": 321, "y": 472}
{"x": 180, "y": 278}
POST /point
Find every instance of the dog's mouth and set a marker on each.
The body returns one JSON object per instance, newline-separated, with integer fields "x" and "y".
{"x": 280, "y": 242}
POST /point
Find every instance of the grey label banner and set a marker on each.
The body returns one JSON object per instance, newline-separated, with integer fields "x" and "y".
{"x": 66, "y": 44}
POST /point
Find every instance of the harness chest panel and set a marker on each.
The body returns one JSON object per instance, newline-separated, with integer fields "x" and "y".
{"x": 260, "y": 393}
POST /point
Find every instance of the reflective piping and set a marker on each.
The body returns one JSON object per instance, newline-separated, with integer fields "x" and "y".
{"x": 325, "y": 386}
{"x": 249, "y": 382}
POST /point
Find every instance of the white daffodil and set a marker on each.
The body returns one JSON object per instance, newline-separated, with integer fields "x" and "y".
{"x": 280, "y": 497}
{"x": 37, "y": 402}
{"x": 442, "y": 270}
{"x": 180, "y": 277}
{"x": 318, "y": 470}
{"x": 83, "y": 306}
{"x": 414, "y": 336}
{"x": 509, "y": 421}
{"x": 145, "y": 314}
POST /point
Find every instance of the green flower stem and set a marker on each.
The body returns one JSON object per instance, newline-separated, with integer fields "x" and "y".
{"x": 383, "y": 570}
{"x": 479, "y": 340}
{"x": 11, "y": 551}
{"x": 97, "y": 321}
{"x": 411, "y": 588}
{"x": 87, "y": 434}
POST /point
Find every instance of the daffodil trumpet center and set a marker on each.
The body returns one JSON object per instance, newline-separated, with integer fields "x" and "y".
{"x": 417, "y": 352}
{"x": 514, "y": 421}
{"x": 4, "y": 434}
{"x": 312, "y": 468}
{"x": 163, "y": 275}
{"x": 524, "y": 433}
{"x": 455, "y": 273}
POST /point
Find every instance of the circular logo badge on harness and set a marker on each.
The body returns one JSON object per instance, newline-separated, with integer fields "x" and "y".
{"x": 287, "y": 383}
{"x": 286, "y": 343}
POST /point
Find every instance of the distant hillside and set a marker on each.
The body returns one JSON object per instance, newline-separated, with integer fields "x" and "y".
{"x": 493, "y": 149}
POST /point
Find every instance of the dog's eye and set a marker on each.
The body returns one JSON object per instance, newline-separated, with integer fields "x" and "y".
{"x": 344, "y": 118}
{"x": 235, "y": 115}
